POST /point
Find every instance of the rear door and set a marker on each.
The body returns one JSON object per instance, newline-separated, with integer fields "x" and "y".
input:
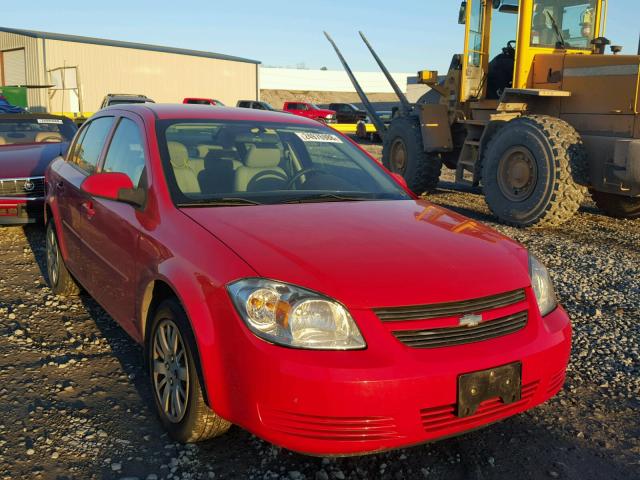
{"x": 81, "y": 162}
{"x": 112, "y": 231}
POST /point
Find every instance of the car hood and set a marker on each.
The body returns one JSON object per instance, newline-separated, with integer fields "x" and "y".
{"x": 371, "y": 254}
{"x": 31, "y": 160}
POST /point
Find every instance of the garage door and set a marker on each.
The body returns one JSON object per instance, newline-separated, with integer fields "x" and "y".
{"x": 15, "y": 72}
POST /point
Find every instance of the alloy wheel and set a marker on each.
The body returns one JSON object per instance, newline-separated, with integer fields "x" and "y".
{"x": 170, "y": 371}
{"x": 53, "y": 257}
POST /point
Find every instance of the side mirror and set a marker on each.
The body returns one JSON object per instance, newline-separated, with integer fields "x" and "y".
{"x": 400, "y": 179}
{"x": 113, "y": 186}
{"x": 462, "y": 15}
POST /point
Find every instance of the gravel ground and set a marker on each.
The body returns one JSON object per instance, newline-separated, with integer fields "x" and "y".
{"x": 75, "y": 401}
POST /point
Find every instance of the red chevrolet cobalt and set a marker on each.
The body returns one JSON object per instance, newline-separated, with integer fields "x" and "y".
{"x": 281, "y": 280}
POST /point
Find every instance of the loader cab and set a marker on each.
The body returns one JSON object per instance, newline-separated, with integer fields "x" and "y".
{"x": 540, "y": 26}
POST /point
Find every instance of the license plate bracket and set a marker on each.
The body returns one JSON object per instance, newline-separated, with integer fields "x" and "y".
{"x": 503, "y": 382}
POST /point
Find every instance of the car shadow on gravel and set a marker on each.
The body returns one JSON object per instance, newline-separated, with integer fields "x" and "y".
{"x": 111, "y": 403}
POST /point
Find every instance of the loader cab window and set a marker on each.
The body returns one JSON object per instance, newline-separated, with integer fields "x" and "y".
{"x": 563, "y": 24}
{"x": 475, "y": 33}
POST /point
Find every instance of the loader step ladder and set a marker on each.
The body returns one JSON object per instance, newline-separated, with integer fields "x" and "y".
{"x": 470, "y": 153}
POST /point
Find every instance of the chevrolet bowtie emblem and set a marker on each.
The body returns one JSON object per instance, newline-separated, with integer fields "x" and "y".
{"x": 470, "y": 320}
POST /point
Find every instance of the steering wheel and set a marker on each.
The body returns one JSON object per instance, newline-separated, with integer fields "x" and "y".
{"x": 292, "y": 181}
{"x": 266, "y": 173}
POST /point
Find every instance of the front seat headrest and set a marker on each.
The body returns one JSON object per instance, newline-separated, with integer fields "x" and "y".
{"x": 178, "y": 154}
{"x": 263, "y": 157}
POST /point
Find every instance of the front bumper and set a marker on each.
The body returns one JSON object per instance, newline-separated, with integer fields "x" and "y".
{"x": 20, "y": 211}
{"x": 346, "y": 403}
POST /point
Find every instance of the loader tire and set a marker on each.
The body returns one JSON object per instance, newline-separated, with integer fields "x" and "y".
{"x": 532, "y": 172}
{"x": 617, "y": 206}
{"x": 402, "y": 152}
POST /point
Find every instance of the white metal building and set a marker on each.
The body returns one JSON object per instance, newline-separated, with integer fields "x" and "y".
{"x": 72, "y": 74}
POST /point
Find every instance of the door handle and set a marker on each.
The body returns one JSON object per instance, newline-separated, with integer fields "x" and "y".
{"x": 88, "y": 209}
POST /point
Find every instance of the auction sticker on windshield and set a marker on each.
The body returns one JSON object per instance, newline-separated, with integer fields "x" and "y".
{"x": 55, "y": 121}
{"x": 318, "y": 137}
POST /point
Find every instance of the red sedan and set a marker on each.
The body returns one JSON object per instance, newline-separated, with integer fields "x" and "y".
{"x": 281, "y": 280}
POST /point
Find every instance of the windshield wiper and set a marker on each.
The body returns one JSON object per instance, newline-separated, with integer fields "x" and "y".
{"x": 556, "y": 29}
{"x": 219, "y": 202}
{"x": 330, "y": 197}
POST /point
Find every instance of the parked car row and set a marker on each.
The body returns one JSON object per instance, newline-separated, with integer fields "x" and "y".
{"x": 166, "y": 214}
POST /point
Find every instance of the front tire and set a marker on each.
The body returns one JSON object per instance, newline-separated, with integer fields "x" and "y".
{"x": 403, "y": 153}
{"x": 60, "y": 280}
{"x": 529, "y": 172}
{"x": 173, "y": 368}
{"x": 617, "y": 206}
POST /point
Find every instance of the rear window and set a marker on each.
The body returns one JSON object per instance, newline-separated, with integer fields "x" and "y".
{"x": 35, "y": 130}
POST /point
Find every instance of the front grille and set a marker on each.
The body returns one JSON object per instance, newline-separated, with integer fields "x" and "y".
{"x": 322, "y": 427}
{"x": 441, "y": 418}
{"x": 22, "y": 187}
{"x": 447, "y": 337}
{"x": 449, "y": 309}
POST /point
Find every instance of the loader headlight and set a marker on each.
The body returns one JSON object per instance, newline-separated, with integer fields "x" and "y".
{"x": 293, "y": 316}
{"x": 542, "y": 286}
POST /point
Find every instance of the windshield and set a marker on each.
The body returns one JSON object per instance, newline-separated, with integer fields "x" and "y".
{"x": 35, "y": 130}
{"x": 563, "y": 23}
{"x": 238, "y": 163}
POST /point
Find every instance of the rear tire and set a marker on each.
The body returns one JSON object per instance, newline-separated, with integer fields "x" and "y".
{"x": 402, "y": 152}
{"x": 60, "y": 280}
{"x": 617, "y": 206}
{"x": 530, "y": 172}
{"x": 173, "y": 370}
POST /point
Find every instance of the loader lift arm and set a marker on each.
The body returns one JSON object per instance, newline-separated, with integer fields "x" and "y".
{"x": 375, "y": 118}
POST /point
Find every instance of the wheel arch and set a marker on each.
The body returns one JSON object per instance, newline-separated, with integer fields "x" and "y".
{"x": 161, "y": 288}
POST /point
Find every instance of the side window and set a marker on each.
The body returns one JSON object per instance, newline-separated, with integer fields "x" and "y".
{"x": 87, "y": 151}
{"x": 126, "y": 153}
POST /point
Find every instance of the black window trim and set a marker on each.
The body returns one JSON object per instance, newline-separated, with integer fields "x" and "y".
{"x": 81, "y": 132}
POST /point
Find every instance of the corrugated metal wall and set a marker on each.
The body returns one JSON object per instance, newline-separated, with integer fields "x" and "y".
{"x": 165, "y": 77}
{"x": 33, "y": 63}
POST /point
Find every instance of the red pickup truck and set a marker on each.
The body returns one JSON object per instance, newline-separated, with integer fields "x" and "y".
{"x": 310, "y": 110}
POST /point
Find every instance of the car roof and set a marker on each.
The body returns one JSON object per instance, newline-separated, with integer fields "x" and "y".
{"x": 185, "y": 111}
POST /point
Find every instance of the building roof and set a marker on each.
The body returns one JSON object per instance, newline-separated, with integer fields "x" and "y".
{"x": 121, "y": 44}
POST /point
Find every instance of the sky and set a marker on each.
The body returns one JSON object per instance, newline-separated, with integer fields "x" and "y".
{"x": 409, "y": 35}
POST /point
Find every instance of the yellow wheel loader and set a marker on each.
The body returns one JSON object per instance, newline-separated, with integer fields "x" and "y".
{"x": 552, "y": 117}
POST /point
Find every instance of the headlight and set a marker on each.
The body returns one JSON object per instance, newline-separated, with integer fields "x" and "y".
{"x": 329, "y": 117}
{"x": 542, "y": 286}
{"x": 288, "y": 315}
